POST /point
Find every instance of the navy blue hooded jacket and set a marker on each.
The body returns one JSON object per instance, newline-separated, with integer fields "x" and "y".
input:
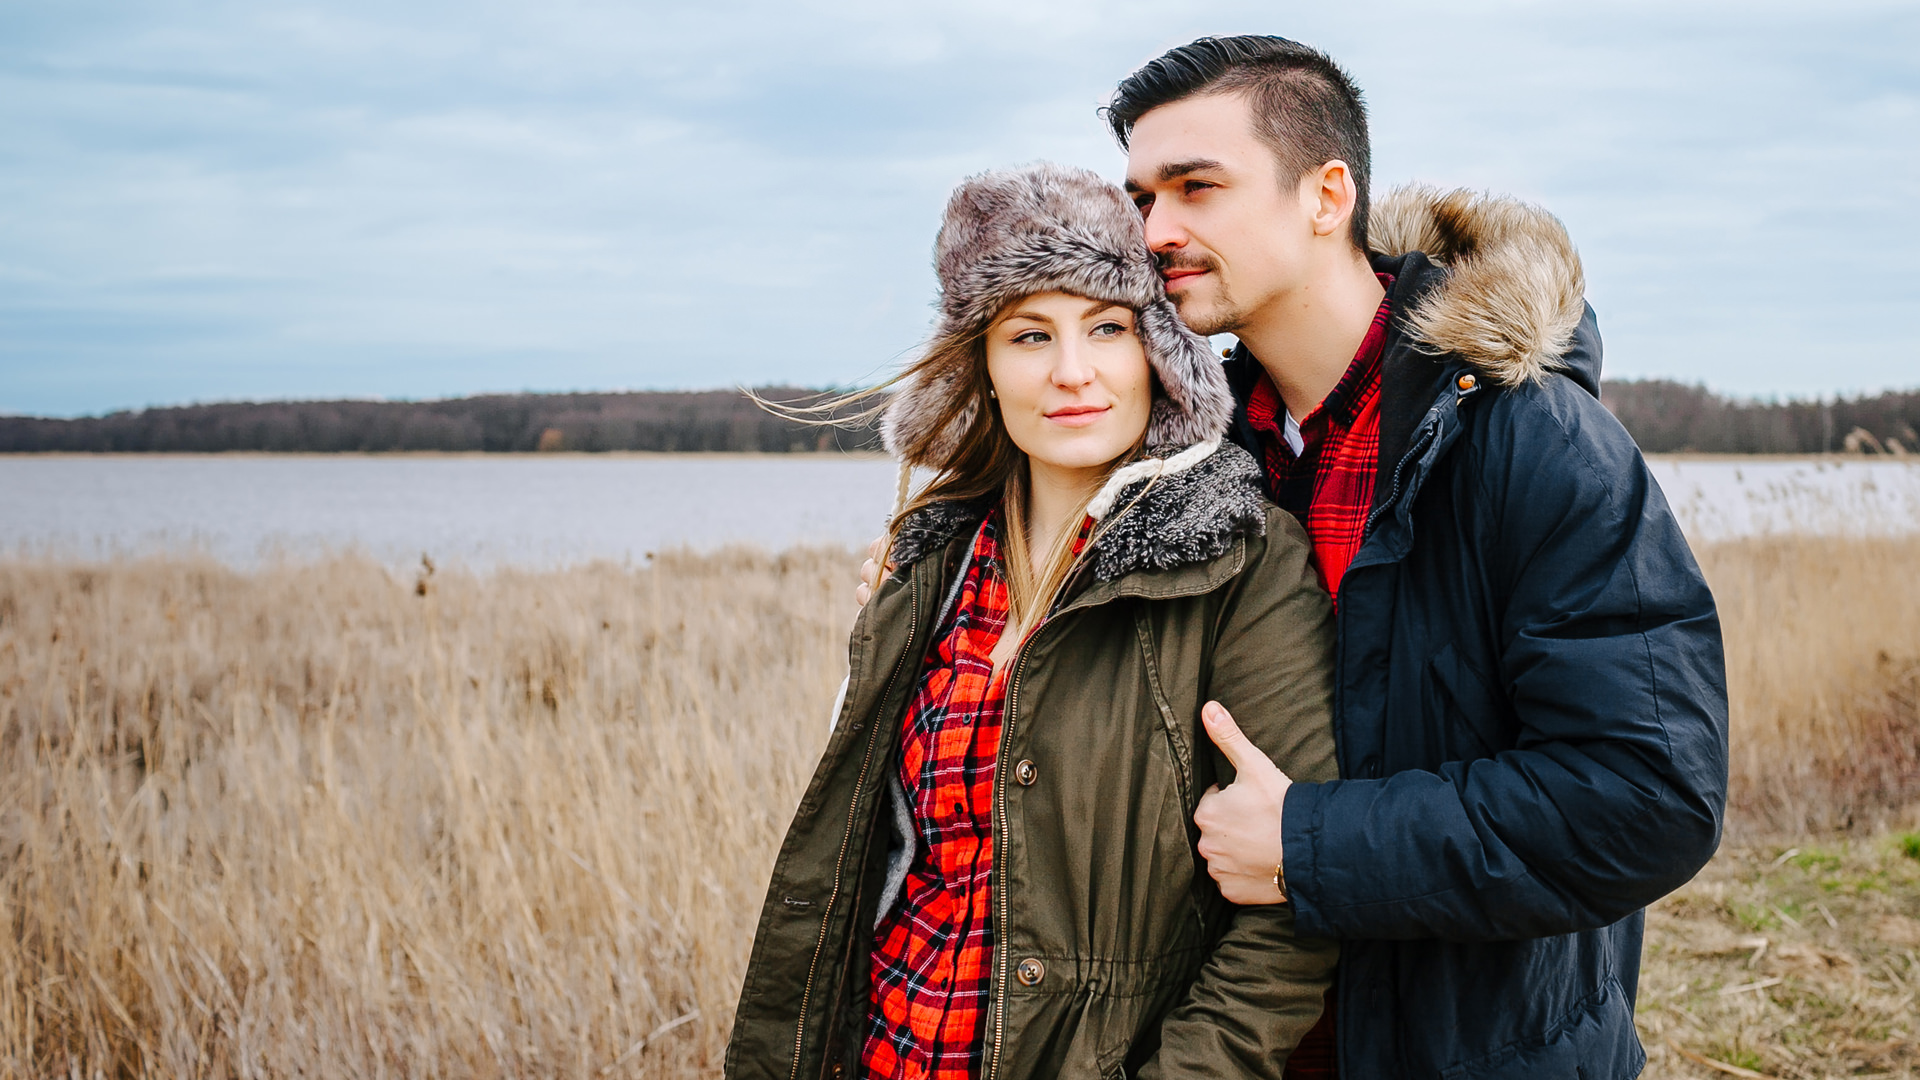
{"x": 1531, "y": 708}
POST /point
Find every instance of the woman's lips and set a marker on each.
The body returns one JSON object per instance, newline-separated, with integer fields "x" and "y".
{"x": 1079, "y": 415}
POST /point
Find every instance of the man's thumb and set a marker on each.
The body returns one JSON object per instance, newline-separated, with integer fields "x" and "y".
{"x": 1227, "y": 736}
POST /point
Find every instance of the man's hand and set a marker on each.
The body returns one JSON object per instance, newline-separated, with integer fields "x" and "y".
{"x": 870, "y": 572}
{"x": 1240, "y": 825}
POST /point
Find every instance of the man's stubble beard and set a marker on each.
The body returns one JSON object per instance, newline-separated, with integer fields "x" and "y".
{"x": 1223, "y": 316}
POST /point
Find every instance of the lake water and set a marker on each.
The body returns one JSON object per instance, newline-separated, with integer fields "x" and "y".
{"x": 545, "y": 510}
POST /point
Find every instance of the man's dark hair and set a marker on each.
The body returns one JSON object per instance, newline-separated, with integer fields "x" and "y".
{"x": 1304, "y": 106}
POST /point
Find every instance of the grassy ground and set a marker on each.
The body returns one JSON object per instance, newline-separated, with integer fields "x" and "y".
{"x": 1801, "y": 961}
{"x": 331, "y": 820}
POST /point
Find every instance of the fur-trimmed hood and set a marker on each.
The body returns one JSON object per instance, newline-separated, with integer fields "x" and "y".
{"x": 1514, "y": 292}
{"x": 1012, "y": 233}
{"x": 1170, "y": 511}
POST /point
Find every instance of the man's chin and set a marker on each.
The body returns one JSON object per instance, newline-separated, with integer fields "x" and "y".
{"x": 1206, "y": 319}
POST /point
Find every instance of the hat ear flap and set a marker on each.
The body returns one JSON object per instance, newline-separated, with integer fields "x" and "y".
{"x": 1198, "y": 404}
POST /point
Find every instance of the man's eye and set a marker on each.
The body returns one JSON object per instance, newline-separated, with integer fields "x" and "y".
{"x": 1142, "y": 202}
{"x": 1194, "y": 186}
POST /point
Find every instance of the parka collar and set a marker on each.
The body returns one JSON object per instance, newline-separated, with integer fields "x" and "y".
{"x": 1156, "y": 522}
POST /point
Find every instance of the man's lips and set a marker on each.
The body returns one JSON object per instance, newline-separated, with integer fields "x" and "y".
{"x": 1176, "y": 275}
{"x": 1078, "y": 415}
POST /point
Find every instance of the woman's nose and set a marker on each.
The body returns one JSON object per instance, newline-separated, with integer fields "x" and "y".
{"x": 1072, "y": 367}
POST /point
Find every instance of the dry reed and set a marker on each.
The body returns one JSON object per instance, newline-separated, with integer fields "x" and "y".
{"x": 1823, "y": 670}
{"x": 320, "y": 819}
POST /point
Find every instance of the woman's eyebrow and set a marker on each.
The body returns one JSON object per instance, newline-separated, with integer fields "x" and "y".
{"x": 1033, "y": 316}
{"x": 1098, "y": 307}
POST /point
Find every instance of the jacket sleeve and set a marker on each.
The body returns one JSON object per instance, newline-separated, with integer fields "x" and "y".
{"x": 1610, "y": 671}
{"x": 1262, "y": 988}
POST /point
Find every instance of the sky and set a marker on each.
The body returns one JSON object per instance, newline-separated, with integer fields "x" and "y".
{"x": 208, "y": 200}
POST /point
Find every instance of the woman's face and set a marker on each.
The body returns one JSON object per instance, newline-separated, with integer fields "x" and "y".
{"x": 1072, "y": 379}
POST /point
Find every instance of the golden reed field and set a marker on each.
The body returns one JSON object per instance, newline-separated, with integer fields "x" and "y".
{"x": 323, "y": 819}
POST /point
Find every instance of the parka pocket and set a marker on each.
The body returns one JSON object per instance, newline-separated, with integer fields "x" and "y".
{"x": 1477, "y": 724}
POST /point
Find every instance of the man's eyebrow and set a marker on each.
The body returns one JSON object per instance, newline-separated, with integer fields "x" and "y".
{"x": 1173, "y": 170}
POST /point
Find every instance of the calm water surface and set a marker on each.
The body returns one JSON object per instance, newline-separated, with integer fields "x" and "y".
{"x": 546, "y": 510}
{"x": 481, "y": 510}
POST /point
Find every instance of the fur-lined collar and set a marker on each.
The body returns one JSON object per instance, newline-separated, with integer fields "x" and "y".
{"x": 1156, "y": 524}
{"x": 1514, "y": 292}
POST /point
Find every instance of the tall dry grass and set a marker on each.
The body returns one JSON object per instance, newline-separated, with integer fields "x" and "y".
{"x": 328, "y": 820}
{"x": 1823, "y": 671}
{"x": 310, "y": 822}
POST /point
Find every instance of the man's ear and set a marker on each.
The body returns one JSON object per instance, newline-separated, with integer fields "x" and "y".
{"x": 1330, "y": 195}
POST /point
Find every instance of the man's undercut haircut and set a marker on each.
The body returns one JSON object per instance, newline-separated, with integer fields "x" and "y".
{"x": 1305, "y": 107}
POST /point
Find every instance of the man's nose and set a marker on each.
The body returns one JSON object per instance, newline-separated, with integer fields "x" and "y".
{"x": 1165, "y": 230}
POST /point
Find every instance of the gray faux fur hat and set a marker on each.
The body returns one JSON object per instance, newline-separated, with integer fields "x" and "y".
{"x": 1011, "y": 233}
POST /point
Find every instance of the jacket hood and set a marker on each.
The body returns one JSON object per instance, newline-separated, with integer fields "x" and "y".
{"x": 1514, "y": 292}
{"x": 1013, "y": 233}
{"x": 1157, "y": 514}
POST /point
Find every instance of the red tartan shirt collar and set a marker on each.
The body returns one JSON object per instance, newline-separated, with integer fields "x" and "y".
{"x": 1342, "y": 405}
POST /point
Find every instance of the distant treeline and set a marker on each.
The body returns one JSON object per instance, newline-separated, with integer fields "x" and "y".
{"x": 722, "y": 420}
{"x": 1664, "y": 417}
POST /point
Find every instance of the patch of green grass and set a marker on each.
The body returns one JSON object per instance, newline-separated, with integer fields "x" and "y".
{"x": 1815, "y": 860}
{"x": 1855, "y": 885}
{"x": 1908, "y": 844}
{"x": 1745, "y": 1059}
{"x": 1754, "y": 917}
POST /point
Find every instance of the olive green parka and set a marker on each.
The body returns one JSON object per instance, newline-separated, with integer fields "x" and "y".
{"x": 1115, "y": 955}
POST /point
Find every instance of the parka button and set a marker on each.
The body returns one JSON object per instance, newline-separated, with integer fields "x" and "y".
{"x": 1026, "y": 772}
{"x": 1030, "y": 972}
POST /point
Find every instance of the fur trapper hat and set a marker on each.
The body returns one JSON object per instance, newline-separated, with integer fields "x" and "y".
{"x": 1012, "y": 233}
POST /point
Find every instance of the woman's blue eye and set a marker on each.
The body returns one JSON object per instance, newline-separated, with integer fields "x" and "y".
{"x": 1032, "y": 337}
{"x": 1109, "y": 329}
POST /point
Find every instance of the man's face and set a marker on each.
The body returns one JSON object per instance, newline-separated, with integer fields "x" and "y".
{"x": 1231, "y": 239}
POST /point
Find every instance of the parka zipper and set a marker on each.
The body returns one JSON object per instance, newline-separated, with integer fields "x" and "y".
{"x": 839, "y": 866}
{"x": 1419, "y": 447}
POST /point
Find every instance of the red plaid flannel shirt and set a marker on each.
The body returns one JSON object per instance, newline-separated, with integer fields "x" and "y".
{"x": 933, "y": 955}
{"x": 932, "y": 970}
{"x": 1329, "y": 486}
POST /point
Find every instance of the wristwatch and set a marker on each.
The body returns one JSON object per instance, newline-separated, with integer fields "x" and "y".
{"x": 1280, "y": 882}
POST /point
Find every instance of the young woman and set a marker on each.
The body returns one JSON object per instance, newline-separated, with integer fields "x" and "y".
{"x": 992, "y": 874}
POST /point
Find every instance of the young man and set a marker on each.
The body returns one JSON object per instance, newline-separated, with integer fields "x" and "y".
{"x": 1531, "y": 711}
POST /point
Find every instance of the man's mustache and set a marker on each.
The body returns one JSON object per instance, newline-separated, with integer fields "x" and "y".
{"x": 1170, "y": 260}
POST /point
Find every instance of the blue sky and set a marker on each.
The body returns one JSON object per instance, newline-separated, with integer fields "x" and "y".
{"x": 218, "y": 200}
